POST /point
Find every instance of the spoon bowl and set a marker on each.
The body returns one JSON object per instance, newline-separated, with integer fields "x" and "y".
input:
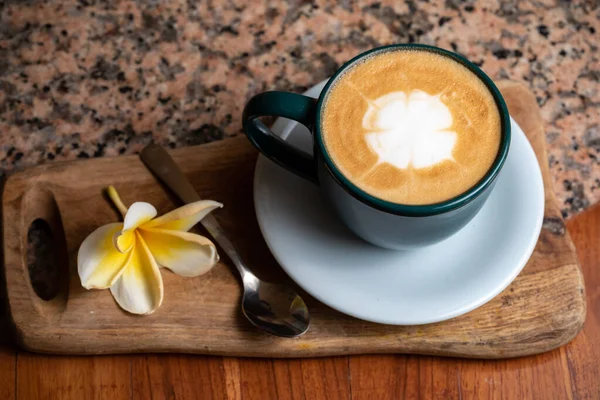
{"x": 274, "y": 308}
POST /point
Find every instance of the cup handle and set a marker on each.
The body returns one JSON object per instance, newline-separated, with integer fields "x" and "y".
{"x": 288, "y": 105}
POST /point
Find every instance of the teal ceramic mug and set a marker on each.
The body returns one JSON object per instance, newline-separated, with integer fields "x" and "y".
{"x": 382, "y": 223}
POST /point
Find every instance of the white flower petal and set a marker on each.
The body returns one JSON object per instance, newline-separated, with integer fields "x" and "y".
{"x": 124, "y": 240}
{"x": 184, "y": 218}
{"x": 138, "y": 213}
{"x": 99, "y": 264}
{"x": 184, "y": 253}
{"x": 139, "y": 289}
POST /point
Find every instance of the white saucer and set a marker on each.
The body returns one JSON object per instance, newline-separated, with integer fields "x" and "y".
{"x": 399, "y": 287}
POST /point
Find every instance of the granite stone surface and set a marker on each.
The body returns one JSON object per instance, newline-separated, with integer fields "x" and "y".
{"x": 86, "y": 78}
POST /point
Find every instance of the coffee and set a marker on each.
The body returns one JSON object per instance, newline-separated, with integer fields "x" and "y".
{"x": 411, "y": 126}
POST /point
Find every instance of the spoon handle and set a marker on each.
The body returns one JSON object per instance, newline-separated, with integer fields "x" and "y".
{"x": 163, "y": 166}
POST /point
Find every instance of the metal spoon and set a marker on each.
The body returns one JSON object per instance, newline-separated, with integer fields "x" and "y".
{"x": 275, "y": 309}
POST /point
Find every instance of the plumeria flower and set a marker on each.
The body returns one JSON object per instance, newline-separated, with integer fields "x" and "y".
{"x": 409, "y": 130}
{"x": 126, "y": 257}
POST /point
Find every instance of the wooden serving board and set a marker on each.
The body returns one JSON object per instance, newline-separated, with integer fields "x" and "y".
{"x": 542, "y": 309}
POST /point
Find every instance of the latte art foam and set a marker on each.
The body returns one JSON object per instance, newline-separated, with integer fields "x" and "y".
{"x": 409, "y": 131}
{"x": 411, "y": 126}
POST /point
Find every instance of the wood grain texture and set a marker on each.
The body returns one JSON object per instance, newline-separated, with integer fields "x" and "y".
{"x": 51, "y": 377}
{"x": 8, "y": 373}
{"x": 570, "y": 372}
{"x": 542, "y": 309}
{"x": 583, "y": 354}
{"x": 180, "y": 377}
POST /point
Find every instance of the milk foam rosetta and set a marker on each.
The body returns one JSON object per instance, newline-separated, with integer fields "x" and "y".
{"x": 411, "y": 127}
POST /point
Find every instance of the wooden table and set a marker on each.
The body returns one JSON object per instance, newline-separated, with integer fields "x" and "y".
{"x": 570, "y": 372}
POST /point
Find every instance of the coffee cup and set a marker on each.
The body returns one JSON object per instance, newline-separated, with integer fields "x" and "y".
{"x": 408, "y": 142}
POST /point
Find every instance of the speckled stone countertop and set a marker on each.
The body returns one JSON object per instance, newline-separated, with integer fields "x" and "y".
{"x": 85, "y": 78}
